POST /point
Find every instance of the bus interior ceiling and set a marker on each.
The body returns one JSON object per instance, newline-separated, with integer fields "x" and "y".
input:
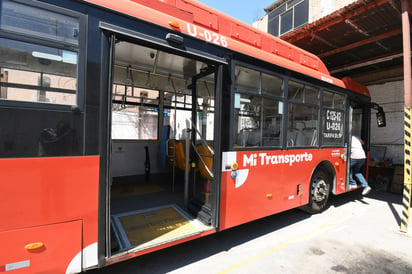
{"x": 151, "y": 111}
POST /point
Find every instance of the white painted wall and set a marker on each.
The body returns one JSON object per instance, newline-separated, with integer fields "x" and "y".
{"x": 390, "y": 97}
{"x": 128, "y": 158}
{"x": 321, "y": 8}
{"x": 261, "y": 24}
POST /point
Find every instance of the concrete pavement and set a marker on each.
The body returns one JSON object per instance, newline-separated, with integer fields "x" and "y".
{"x": 355, "y": 234}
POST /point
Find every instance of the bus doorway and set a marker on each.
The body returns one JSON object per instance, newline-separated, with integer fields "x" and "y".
{"x": 162, "y": 147}
{"x": 359, "y": 128}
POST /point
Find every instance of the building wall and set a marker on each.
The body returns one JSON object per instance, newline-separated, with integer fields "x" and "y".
{"x": 390, "y": 96}
{"x": 322, "y": 8}
{"x": 317, "y": 10}
{"x": 261, "y": 24}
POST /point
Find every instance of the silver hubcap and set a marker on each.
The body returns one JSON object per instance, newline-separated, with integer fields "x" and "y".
{"x": 321, "y": 190}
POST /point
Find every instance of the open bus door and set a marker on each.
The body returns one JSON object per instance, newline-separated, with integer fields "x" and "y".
{"x": 199, "y": 175}
{"x": 359, "y": 125}
{"x": 162, "y": 146}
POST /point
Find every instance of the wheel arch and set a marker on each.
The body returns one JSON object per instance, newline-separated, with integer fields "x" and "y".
{"x": 330, "y": 170}
{"x": 325, "y": 170}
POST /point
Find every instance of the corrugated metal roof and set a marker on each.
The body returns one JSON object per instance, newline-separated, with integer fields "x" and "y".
{"x": 361, "y": 38}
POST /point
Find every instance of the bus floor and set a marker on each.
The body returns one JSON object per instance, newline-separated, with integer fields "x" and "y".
{"x": 130, "y": 193}
{"x": 149, "y": 211}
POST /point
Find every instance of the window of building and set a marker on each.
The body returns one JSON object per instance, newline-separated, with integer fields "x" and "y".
{"x": 288, "y": 16}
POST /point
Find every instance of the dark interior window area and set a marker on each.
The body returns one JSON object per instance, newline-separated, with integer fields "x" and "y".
{"x": 39, "y": 83}
{"x": 36, "y": 133}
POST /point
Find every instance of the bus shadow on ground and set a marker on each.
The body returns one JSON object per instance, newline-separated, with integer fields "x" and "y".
{"x": 391, "y": 199}
{"x": 170, "y": 259}
{"x": 196, "y": 250}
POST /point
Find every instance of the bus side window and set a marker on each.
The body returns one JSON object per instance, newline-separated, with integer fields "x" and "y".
{"x": 42, "y": 84}
{"x": 34, "y": 71}
{"x": 302, "y": 130}
{"x": 303, "y": 115}
{"x": 49, "y": 76}
{"x": 258, "y": 108}
{"x": 248, "y": 118}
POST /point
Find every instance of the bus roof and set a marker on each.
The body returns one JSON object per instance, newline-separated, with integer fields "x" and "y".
{"x": 198, "y": 20}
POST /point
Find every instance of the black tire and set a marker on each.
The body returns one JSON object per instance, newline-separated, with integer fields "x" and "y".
{"x": 319, "y": 192}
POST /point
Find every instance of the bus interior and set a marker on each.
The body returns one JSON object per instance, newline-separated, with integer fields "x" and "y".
{"x": 162, "y": 147}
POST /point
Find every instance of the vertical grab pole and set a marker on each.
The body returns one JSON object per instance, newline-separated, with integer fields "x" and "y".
{"x": 187, "y": 167}
{"x": 406, "y": 197}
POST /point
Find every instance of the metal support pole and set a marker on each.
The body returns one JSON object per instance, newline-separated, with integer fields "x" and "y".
{"x": 187, "y": 167}
{"x": 406, "y": 198}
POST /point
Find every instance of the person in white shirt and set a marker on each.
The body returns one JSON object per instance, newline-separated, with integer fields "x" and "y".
{"x": 357, "y": 161}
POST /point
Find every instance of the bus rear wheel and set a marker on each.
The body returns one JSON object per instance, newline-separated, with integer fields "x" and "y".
{"x": 319, "y": 192}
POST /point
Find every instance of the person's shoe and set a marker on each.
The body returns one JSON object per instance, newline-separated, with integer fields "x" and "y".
{"x": 366, "y": 190}
{"x": 352, "y": 186}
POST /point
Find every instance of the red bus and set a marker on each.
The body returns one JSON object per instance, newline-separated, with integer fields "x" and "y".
{"x": 130, "y": 126}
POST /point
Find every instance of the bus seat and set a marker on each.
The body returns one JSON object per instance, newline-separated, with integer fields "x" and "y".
{"x": 242, "y": 137}
{"x": 310, "y": 136}
{"x": 254, "y": 138}
{"x": 176, "y": 153}
{"x": 291, "y": 137}
{"x": 180, "y": 155}
{"x": 299, "y": 135}
{"x": 300, "y": 138}
{"x": 207, "y": 158}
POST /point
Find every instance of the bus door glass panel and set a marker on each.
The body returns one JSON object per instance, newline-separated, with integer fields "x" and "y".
{"x": 203, "y": 136}
{"x": 161, "y": 96}
{"x": 357, "y": 129}
{"x": 356, "y": 126}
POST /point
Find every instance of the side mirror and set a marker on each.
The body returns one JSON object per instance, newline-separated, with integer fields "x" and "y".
{"x": 380, "y": 117}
